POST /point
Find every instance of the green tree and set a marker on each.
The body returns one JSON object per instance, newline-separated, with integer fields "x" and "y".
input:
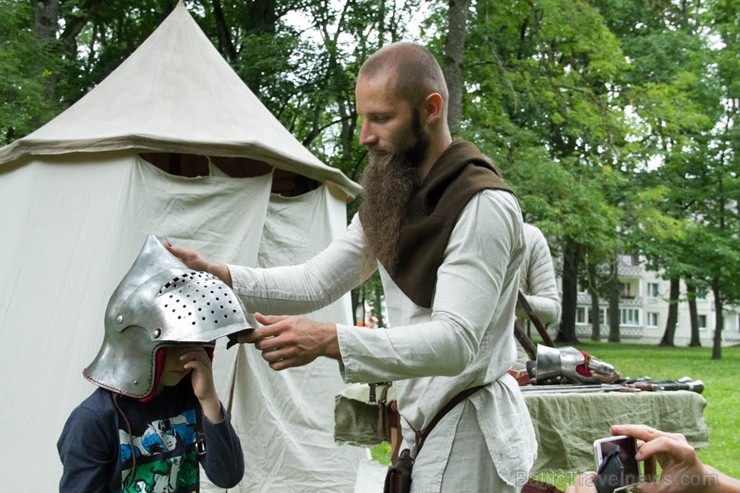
{"x": 537, "y": 99}
{"x": 682, "y": 111}
{"x": 27, "y": 65}
{"x": 613, "y": 120}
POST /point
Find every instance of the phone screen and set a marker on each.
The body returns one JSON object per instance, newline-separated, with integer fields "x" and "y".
{"x": 616, "y": 463}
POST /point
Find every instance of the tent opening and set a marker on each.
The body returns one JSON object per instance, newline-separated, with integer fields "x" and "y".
{"x": 285, "y": 183}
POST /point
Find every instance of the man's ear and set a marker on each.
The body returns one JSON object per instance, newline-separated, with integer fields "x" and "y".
{"x": 434, "y": 107}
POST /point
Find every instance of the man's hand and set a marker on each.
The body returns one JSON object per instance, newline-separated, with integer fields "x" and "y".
{"x": 196, "y": 261}
{"x": 287, "y": 341}
{"x": 189, "y": 257}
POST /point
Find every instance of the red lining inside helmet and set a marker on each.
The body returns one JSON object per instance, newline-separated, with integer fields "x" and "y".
{"x": 159, "y": 356}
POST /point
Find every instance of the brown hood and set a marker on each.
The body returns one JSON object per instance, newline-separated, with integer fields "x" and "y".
{"x": 459, "y": 173}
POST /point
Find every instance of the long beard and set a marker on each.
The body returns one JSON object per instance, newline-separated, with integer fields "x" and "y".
{"x": 389, "y": 181}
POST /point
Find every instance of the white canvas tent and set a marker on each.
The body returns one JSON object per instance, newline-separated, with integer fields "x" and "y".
{"x": 78, "y": 198}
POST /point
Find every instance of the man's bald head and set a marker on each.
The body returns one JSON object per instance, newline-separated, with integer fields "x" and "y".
{"x": 414, "y": 69}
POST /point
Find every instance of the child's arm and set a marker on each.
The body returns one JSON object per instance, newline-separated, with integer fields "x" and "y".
{"x": 223, "y": 461}
{"x": 203, "y": 387}
{"x": 224, "y": 458}
{"x": 87, "y": 452}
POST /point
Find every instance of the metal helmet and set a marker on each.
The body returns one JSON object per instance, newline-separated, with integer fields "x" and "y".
{"x": 160, "y": 302}
{"x": 570, "y": 364}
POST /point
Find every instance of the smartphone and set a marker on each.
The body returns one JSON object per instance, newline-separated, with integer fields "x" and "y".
{"x": 615, "y": 462}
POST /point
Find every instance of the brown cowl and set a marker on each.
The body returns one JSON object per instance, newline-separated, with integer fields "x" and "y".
{"x": 459, "y": 173}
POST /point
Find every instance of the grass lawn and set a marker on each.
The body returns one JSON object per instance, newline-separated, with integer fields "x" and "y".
{"x": 721, "y": 381}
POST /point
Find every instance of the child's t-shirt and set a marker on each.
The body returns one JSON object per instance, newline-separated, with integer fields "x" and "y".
{"x": 145, "y": 447}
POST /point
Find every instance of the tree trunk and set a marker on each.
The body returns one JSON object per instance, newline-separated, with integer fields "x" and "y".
{"x": 45, "y": 25}
{"x": 261, "y": 19}
{"x": 612, "y": 290}
{"x": 693, "y": 314}
{"x": 453, "y": 63}
{"x": 381, "y": 23}
{"x": 594, "y": 315}
{"x": 567, "y": 330}
{"x": 225, "y": 44}
{"x": 719, "y": 320}
{"x": 595, "y": 320}
{"x": 670, "y": 324}
{"x": 46, "y": 18}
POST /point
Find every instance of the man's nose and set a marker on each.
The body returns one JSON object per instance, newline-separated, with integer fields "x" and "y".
{"x": 367, "y": 136}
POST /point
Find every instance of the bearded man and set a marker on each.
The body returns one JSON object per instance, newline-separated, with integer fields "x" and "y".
{"x": 445, "y": 232}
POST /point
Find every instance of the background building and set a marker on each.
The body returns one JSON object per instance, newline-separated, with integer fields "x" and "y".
{"x": 643, "y": 309}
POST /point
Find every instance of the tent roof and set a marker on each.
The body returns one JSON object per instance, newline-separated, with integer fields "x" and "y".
{"x": 176, "y": 93}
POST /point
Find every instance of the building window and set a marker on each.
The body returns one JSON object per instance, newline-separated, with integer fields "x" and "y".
{"x": 702, "y": 322}
{"x": 629, "y": 317}
{"x": 601, "y": 315}
{"x": 628, "y": 260}
{"x": 652, "y": 290}
{"x": 652, "y": 320}
{"x": 625, "y": 289}
{"x": 581, "y": 315}
{"x": 701, "y": 293}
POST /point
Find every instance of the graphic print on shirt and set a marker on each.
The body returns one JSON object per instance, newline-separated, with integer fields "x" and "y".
{"x": 166, "y": 458}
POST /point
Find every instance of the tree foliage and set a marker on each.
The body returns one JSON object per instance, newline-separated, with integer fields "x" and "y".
{"x": 613, "y": 120}
{"x": 27, "y": 63}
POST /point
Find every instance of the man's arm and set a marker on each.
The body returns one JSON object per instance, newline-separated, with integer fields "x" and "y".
{"x": 288, "y": 340}
{"x": 300, "y": 288}
{"x": 476, "y": 284}
{"x": 541, "y": 289}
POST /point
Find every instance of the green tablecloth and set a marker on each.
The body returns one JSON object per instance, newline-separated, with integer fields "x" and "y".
{"x": 566, "y": 424}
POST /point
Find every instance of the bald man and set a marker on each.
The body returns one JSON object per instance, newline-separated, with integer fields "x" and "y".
{"x": 445, "y": 231}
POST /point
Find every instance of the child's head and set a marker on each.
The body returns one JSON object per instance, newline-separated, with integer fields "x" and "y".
{"x": 173, "y": 368}
{"x": 170, "y": 368}
{"x": 160, "y": 304}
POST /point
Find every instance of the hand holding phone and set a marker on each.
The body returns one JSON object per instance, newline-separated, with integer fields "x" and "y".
{"x": 616, "y": 465}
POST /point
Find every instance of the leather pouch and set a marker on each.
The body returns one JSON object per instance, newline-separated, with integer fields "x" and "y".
{"x": 398, "y": 478}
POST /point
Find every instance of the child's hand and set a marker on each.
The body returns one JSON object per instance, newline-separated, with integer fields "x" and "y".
{"x": 201, "y": 376}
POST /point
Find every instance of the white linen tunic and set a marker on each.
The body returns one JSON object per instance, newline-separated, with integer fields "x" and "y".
{"x": 537, "y": 277}
{"x": 465, "y": 339}
{"x": 537, "y": 282}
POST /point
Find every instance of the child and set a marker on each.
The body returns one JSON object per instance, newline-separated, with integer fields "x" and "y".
{"x": 156, "y": 415}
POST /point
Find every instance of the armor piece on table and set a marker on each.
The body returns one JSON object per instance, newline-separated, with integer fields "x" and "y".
{"x": 160, "y": 302}
{"x": 569, "y": 364}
